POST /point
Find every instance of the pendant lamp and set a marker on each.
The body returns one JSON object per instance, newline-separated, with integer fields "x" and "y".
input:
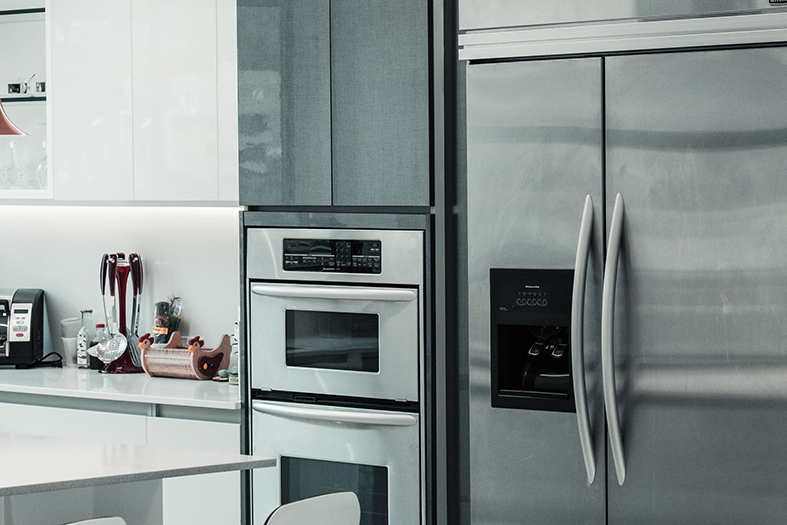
{"x": 6, "y": 126}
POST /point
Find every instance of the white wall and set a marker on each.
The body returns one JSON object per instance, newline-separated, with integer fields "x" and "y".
{"x": 20, "y": 4}
{"x": 189, "y": 252}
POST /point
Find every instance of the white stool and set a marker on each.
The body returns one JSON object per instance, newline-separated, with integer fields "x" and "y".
{"x": 340, "y": 508}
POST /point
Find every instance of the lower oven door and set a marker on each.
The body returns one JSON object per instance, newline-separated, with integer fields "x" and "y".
{"x": 321, "y": 450}
{"x": 356, "y": 341}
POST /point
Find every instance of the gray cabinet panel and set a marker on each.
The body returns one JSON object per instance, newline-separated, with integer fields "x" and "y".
{"x": 697, "y": 146}
{"x": 380, "y": 102}
{"x": 284, "y": 102}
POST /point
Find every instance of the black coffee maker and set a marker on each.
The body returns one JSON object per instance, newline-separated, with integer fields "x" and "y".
{"x": 21, "y": 326}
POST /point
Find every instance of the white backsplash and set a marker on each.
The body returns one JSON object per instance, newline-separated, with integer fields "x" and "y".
{"x": 189, "y": 252}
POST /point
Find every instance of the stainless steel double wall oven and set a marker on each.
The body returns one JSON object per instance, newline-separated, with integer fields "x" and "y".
{"x": 336, "y": 338}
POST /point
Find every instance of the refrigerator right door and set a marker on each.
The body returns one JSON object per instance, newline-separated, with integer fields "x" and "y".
{"x": 696, "y": 145}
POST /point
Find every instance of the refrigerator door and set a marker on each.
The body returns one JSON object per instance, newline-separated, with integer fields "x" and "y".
{"x": 534, "y": 154}
{"x": 697, "y": 149}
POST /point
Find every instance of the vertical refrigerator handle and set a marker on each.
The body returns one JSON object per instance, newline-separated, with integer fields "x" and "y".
{"x": 607, "y": 325}
{"x": 577, "y": 338}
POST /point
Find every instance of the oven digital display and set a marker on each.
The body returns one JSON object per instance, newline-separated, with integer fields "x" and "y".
{"x": 333, "y": 255}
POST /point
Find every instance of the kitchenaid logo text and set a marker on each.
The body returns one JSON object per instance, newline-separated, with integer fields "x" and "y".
{"x": 535, "y": 286}
{"x": 778, "y": 1}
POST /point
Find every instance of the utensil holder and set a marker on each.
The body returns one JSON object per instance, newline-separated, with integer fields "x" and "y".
{"x": 175, "y": 360}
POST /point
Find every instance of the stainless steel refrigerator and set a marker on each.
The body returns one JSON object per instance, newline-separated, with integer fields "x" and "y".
{"x": 627, "y": 289}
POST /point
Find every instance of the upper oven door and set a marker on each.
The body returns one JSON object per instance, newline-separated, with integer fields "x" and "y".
{"x": 359, "y": 341}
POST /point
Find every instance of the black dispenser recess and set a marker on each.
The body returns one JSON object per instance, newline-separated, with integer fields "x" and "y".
{"x": 530, "y": 347}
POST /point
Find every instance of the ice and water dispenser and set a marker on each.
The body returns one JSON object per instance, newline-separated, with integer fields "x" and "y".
{"x": 531, "y": 350}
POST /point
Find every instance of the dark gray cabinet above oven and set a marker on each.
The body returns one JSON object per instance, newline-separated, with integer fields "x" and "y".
{"x": 333, "y": 103}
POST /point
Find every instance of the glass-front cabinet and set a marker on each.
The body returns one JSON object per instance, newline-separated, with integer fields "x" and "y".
{"x": 24, "y": 169}
{"x": 119, "y": 101}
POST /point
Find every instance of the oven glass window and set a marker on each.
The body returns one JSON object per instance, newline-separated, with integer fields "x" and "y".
{"x": 306, "y": 478}
{"x": 334, "y": 340}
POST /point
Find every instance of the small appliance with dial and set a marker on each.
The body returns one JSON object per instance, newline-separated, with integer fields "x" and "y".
{"x": 21, "y": 326}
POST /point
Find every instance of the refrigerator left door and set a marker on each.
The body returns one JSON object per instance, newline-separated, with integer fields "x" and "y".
{"x": 534, "y": 155}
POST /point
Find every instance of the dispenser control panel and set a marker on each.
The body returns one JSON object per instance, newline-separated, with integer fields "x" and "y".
{"x": 532, "y": 299}
{"x": 515, "y": 292}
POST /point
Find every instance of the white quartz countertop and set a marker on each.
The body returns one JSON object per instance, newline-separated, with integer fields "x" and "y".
{"x": 136, "y": 388}
{"x": 37, "y": 464}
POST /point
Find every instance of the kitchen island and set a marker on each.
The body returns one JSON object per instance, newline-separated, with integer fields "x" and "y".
{"x": 40, "y": 485}
{"x": 134, "y": 409}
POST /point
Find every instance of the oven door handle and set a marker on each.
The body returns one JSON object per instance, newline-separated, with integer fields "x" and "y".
{"x": 334, "y": 292}
{"x": 336, "y": 416}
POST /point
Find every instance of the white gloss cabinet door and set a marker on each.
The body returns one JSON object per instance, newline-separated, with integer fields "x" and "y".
{"x": 175, "y": 100}
{"x": 90, "y": 93}
{"x": 71, "y": 423}
{"x": 227, "y": 104}
{"x": 204, "y": 499}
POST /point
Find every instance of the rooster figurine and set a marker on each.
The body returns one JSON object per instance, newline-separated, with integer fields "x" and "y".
{"x": 145, "y": 341}
{"x": 195, "y": 343}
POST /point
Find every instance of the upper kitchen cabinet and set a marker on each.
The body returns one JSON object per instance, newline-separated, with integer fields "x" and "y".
{"x": 177, "y": 89}
{"x": 143, "y": 97}
{"x": 91, "y": 100}
{"x": 23, "y": 74}
{"x": 334, "y": 103}
{"x": 284, "y": 102}
{"x": 380, "y": 102}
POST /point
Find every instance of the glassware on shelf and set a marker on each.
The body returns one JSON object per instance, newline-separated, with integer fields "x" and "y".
{"x": 23, "y": 155}
{"x": 6, "y": 161}
{"x": 40, "y": 166}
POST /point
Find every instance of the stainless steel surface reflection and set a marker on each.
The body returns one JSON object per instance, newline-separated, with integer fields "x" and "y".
{"x": 486, "y": 14}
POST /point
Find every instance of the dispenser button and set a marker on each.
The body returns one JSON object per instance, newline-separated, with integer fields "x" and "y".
{"x": 536, "y": 349}
{"x": 559, "y": 350}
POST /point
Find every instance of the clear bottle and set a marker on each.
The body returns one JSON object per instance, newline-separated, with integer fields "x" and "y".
{"x": 100, "y": 329}
{"x": 92, "y": 351}
{"x": 84, "y": 338}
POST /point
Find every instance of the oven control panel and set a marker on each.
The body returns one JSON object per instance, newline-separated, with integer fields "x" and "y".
{"x": 333, "y": 255}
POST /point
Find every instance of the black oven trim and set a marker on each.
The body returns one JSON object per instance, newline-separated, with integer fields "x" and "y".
{"x": 334, "y": 400}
